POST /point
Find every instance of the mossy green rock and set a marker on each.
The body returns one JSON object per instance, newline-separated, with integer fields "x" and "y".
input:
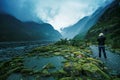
{"x": 93, "y": 69}
{"x": 90, "y": 67}
{"x": 70, "y": 78}
{"x": 63, "y": 62}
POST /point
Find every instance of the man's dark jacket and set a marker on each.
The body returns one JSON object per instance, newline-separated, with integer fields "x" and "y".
{"x": 101, "y": 40}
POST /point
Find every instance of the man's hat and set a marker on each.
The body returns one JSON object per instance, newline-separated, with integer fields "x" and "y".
{"x": 101, "y": 34}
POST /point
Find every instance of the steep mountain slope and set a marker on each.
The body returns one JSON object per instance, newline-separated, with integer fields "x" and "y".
{"x": 12, "y": 29}
{"x": 44, "y": 31}
{"x": 79, "y": 30}
{"x": 73, "y": 30}
{"x": 109, "y": 24}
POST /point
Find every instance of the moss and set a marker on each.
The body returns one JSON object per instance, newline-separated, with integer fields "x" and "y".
{"x": 16, "y": 62}
{"x": 70, "y": 78}
{"x": 94, "y": 61}
{"x": 3, "y": 64}
{"x": 30, "y": 54}
{"x": 93, "y": 69}
{"x": 41, "y": 49}
{"x": 81, "y": 60}
{"x": 13, "y": 65}
{"x": 49, "y": 66}
{"x": 104, "y": 75}
{"x": 67, "y": 78}
{"x": 116, "y": 79}
{"x": 57, "y": 53}
{"x": 62, "y": 72}
{"x": 26, "y": 71}
{"x": 88, "y": 51}
{"x": 45, "y": 73}
{"x": 67, "y": 64}
{"x": 37, "y": 72}
{"x": 4, "y": 76}
{"x": 90, "y": 67}
{"x": 77, "y": 53}
{"x": 68, "y": 68}
{"x": 77, "y": 65}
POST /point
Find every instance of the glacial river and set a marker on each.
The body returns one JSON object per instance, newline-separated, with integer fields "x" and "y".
{"x": 12, "y": 49}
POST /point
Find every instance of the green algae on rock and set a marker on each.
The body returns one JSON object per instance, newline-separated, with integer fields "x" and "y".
{"x": 61, "y": 62}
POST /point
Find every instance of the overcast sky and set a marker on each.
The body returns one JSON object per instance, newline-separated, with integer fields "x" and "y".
{"x": 59, "y": 13}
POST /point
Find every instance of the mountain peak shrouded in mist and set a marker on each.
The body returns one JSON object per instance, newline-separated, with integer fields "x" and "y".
{"x": 12, "y": 29}
{"x": 60, "y": 14}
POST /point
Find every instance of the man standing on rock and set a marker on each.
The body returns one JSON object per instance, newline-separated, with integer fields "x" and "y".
{"x": 101, "y": 42}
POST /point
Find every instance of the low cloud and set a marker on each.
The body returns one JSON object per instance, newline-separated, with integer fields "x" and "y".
{"x": 59, "y": 13}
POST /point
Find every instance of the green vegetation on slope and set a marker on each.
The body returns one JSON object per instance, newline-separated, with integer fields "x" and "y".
{"x": 109, "y": 24}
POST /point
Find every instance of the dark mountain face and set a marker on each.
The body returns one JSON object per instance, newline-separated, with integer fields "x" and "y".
{"x": 109, "y": 24}
{"x": 45, "y": 31}
{"x": 12, "y": 29}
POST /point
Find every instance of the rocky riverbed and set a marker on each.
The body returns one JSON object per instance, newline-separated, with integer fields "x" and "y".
{"x": 55, "y": 62}
{"x": 12, "y": 49}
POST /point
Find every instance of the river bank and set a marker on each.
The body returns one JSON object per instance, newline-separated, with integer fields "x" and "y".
{"x": 55, "y": 62}
{"x": 12, "y": 49}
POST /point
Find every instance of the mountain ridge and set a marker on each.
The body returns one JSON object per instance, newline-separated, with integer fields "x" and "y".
{"x": 12, "y": 29}
{"x": 79, "y": 29}
{"x": 68, "y": 32}
{"x": 109, "y": 24}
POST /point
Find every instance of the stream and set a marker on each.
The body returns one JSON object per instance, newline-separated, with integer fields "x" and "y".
{"x": 12, "y": 49}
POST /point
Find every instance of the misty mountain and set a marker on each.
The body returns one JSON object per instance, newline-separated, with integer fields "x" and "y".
{"x": 109, "y": 24}
{"x": 73, "y": 30}
{"x": 12, "y": 29}
{"x": 45, "y": 31}
{"x": 80, "y": 29}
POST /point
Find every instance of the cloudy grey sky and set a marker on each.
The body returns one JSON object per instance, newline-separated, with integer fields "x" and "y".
{"x": 59, "y": 13}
